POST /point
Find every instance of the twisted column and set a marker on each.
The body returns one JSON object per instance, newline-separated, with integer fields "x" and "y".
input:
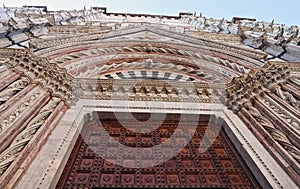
{"x": 12, "y": 89}
{"x": 18, "y": 144}
{"x": 276, "y": 134}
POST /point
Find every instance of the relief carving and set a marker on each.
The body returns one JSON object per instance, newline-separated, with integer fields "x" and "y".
{"x": 148, "y": 90}
{"x": 276, "y": 134}
{"x": 287, "y": 97}
{"x": 283, "y": 114}
{"x": 148, "y": 48}
{"x": 12, "y": 89}
{"x": 8, "y": 120}
{"x": 256, "y": 85}
{"x": 292, "y": 101}
{"x": 41, "y": 71}
{"x": 18, "y": 144}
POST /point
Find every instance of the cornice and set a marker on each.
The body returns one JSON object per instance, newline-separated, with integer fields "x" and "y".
{"x": 147, "y": 90}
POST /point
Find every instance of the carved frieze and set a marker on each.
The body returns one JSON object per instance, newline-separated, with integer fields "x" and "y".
{"x": 147, "y": 90}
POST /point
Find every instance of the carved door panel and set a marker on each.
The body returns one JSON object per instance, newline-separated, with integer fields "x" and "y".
{"x": 218, "y": 167}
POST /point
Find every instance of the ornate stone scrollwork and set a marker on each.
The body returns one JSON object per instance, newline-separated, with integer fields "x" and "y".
{"x": 41, "y": 71}
{"x": 12, "y": 89}
{"x": 282, "y": 114}
{"x": 258, "y": 84}
{"x": 3, "y": 70}
{"x": 277, "y": 135}
{"x": 18, "y": 144}
{"x": 5, "y": 122}
{"x": 287, "y": 97}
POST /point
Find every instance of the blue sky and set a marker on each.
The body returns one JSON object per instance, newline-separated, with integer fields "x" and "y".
{"x": 283, "y": 12}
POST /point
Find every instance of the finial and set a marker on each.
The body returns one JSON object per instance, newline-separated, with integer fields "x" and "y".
{"x": 272, "y": 23}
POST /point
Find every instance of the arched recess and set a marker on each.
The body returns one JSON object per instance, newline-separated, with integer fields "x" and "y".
{"x": 71, "y": 70}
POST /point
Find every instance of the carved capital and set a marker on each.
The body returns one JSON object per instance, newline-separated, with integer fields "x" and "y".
{"x": 254, "y": 84}
{"x": 41, "y": 71}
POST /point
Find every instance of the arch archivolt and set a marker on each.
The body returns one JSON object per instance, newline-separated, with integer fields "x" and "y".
{"x": 83, "y": 63}
{"x": 149, "y": 66}
{"x": 134, "y": 45}
{"x": 88, "y": 47}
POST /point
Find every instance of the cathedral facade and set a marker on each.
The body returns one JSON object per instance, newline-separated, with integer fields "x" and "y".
{"x": 92, "y": 99}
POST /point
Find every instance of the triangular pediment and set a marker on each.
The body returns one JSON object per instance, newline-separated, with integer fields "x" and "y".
{"x": 157, "y": 34}
{"x": 142, "y": 33}
{"x": 147, "y": 33}
{"x": 152, "y": 33}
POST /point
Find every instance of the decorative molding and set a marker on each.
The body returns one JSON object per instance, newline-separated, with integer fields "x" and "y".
{"x": 12, "y": 89}
{"x": 255, "y": 83}
{"x": 20, "y": 141}
{"x": 147, "y": 90}
{"x": 276, "y": 134}
{"x": 64, "y": 59}
{"x": 282, "y": 113}
{"x": 8, "y": 120}
{"x": 254, "y": 151}
{"x": 248, "y": 54}
{"x": 39, "y": 70}
{"x": 251, "y": 93}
